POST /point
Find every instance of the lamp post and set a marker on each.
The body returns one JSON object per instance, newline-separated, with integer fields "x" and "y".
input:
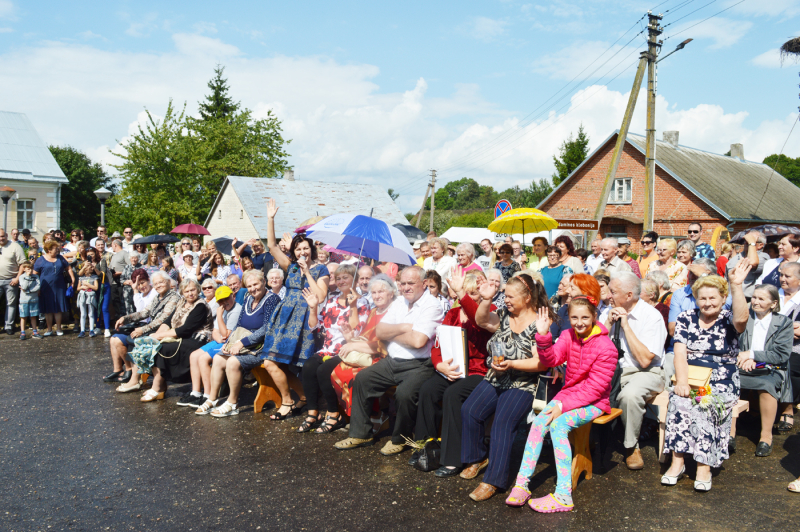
{"x": 102, "y": 194}
{"x": 6, "y": 193}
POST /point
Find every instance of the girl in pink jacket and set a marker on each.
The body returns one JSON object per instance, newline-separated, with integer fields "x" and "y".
{"x": 591, "y": 360}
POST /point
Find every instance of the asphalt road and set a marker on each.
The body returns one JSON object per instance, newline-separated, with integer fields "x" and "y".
{"x": 75, "y": 455}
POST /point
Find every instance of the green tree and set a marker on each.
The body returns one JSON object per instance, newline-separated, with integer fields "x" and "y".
{"x": 786, "y": 166}
{"x": 464, "y": 193}
{"x": 79, "y": 205}
{"x": 570, "y": 155}
{"x": 474, "y": 219}
{"x": 527, "y": 197}
{"x": 392, "y": 194}
{"x": 218, "y": 104}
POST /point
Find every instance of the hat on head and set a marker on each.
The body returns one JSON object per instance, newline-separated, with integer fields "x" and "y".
{"x": 187, "y": 252}
{"x": 624, "y": 240}
{"x": 222, "y": 292}
{"x": 116, "y": 234}
{"x": 418, "y": 243}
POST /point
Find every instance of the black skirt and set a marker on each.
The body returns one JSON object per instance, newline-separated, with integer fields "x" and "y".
{"x": 173, "y": 359}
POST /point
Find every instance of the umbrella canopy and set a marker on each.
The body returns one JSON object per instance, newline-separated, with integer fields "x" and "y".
{"x": 364, "y": 236}
{"x": 308, "y": 223}
{"x": 773, "y": 232}
{"x": 412, "y": 233}
{"x": 191, "y": 229}
{"x": 523, "y": 221}
{"x": 156, "y": 239}
{"x": 225, "y": 245}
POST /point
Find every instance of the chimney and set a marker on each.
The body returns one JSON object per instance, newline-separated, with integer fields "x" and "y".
{"x": 289, "y": 175}
{"x": 737, "y": 150}
{"x": 671, "y": 137}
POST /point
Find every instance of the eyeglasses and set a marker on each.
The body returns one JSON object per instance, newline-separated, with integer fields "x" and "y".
{"x": 128, "y": 232}
{"x": 208, "y": 288}
{"x": 186, "y": 243}
{"x": 692, "y": 231}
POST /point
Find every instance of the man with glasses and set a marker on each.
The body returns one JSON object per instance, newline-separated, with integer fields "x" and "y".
{"x": 11, "y": 256}
{"x": 127, "y": 242}
{"x": 701, "y": 250}
{"x": 648, "y": 254}
{"x": 101, "y": 234}
{"x": 408, "y": 329}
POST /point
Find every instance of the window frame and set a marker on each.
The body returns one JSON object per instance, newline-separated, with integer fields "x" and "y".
{"x": 614, "y": 189}
{"x": 21, "y": 221}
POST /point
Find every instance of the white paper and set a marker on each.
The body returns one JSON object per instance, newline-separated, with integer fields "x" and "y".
{"x": 451, "y": 342}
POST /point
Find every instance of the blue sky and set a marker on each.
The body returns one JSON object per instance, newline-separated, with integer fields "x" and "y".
{"x": 379, "y": 94}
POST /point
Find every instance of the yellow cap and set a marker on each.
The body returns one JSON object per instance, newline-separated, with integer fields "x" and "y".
{"x": 222, "y": 292}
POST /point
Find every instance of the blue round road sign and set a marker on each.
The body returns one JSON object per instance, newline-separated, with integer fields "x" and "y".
{"x": 501, "y": 207}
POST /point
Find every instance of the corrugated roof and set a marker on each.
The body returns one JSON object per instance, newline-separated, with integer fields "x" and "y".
{"x": 300, "y": 200}
{"x": 23, "y": 153}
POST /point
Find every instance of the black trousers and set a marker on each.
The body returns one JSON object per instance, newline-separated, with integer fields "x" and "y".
{"x": 794, "y": 375}
{"x": 372, "y": 382}
{"x": 430, "y": 415}
{"x": 117, "y": 301}
{"x": 316, "y": 377}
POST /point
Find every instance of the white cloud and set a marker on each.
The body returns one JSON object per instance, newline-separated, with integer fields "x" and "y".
{"x": 487, "y": 29}
{"x": 573, "y": 60}
{"x": 6, "y": 8}
{"x": 205, "y": 27}
{"x": 199, "y": 45}
{"x": 770, "y": 59}
{"x": 6, "y": 30}
{"x": 723, "y": 31}
{"x": 143, "y": 27}
{"x": 88, "y": 35}
{"x": 788, "y": 8}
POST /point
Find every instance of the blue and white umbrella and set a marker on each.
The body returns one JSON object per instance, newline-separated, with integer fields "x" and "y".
{"x": 364, "y": 236}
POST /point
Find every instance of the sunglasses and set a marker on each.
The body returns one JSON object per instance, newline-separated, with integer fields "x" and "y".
{"x": 692, "y": 232}
{"x": 208, "y": 288}
{"x": 128, "y": 232}
{"x": 646, "y": 242}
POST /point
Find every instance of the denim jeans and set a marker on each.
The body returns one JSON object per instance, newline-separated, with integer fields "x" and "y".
{"x": 11, "y": 295}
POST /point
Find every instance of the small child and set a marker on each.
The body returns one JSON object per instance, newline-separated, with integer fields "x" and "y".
{"x": 29, "y": 286}
{"x": 87, "y": 297}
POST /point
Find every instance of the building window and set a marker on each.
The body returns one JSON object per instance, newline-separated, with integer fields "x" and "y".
{"x": 25, "y": 214}
{"x": 620, "y": 191}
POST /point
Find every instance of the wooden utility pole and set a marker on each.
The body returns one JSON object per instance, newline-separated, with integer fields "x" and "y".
{"x": 422, "y": 209}
{"x": 433, "y": 196}
{"x": 617, "y": 153}
{"x": 653, "y": 46}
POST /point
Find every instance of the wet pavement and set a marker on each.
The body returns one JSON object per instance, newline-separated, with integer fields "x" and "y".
{"x": 75, "y": 455}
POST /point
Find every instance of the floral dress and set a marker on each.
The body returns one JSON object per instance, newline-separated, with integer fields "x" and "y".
{"x": 332, "y": 316}
{"x": 678, "y": 273}
{"x": 704, "y": 431}
{"x": 507, "y": 271}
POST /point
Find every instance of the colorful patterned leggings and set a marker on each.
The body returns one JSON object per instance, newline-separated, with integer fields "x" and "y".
{"x": 559, "y": 431}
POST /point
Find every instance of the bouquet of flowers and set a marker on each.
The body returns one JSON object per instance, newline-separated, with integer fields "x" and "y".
{"x": 706, "y": 399}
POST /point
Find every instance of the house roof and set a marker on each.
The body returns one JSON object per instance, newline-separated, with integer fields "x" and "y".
{"x": 300, "y": 200}
{"x": 23, "y": 154}
{"x": 730, "y": 186}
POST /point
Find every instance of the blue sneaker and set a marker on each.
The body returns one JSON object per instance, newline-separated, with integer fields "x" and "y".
{"x": 92, "y": 334}
{"x": 81, "y": 334}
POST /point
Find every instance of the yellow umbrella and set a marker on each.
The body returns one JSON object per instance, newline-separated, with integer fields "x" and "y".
{"x": 523, "y": 221}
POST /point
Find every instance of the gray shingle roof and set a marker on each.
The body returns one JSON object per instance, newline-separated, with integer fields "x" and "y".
{"x": 23, "y": 154}
{"x": 300, "y": 200}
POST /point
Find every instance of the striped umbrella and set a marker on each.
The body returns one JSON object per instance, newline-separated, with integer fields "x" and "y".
{"x": 364, "y": 236}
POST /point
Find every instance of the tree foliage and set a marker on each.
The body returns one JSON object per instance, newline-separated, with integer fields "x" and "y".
{"x": 786, "y": 166}
{"x": 218, "y": 104}
{"x": 79, "y": 206}
{"x": 466, "y": 193}
{"x": 392, "y": 194}
{"x": 570, "y": 155}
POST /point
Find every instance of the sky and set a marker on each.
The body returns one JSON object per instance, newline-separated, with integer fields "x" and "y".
{"x": 381, "y": 94}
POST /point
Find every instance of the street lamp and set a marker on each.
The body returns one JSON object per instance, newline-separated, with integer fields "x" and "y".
{"x": 6, "y": 193}
{"x": 679, "y": 47}
{"x": 102, "y": 194}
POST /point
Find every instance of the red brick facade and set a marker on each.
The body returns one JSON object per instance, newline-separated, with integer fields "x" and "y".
{"x": 675, "y": 206}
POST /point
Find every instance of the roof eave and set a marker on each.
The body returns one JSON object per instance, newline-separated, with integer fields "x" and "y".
{"x": 216, "y": 202}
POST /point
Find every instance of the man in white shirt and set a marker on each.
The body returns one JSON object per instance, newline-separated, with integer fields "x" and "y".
{"x": 485, "y": 260}
{"x": 642, "y": 334}
{"x": 127, "y": 242}
{"x": 408, "y": 328}
{"x": 609, "y": 248}
{"x": 593, "y": 261}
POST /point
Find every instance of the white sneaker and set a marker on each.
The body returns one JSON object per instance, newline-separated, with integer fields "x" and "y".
{"x": 107, "y": 334}
{"x": 59, "y": 333}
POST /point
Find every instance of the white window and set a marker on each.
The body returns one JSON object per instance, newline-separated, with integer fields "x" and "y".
{"x": 620, "y": 191}
{"x": 25, "y": 214}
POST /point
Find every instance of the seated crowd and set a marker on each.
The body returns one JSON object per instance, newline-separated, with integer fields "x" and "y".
{"x": 357, "y": 341}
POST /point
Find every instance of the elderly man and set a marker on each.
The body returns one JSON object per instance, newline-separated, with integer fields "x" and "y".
{"x": 408, "y": 328}
{"x": 235, "y": 284}
{"x": 755, "y": 241}
{"x": 15, "y": 237}
{"x": 701, "y": 250}
{"x": 365, "y": 274}
{"x": 11, "y": 256}
{"x": 622, "y": 253}
{"x": 642, "y": 335}
{"x": 119, "y": 261}
{"x": 609, "y": 248}
{"x": 594, "y": 260}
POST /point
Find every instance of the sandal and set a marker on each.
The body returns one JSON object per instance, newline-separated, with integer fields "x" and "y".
{"x": 307, "y": 425}
{"x": 794, "y": 486}
{"x": 783, "y": 426}
{"x": 549, "y": 504}
{"x": 277, "y": 416}
{"x": 296, "y": 410}
{"x": 518, "y": 496}
{"x": 327, "y": 427}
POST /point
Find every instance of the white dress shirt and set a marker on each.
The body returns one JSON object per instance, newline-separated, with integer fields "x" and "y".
{"x": 788, "y": 305}
{"x": 425, "y": 314}
{"x": 593, "y": 262}
{"x": 648, "y": 326}
{"x": 760, "y": 328}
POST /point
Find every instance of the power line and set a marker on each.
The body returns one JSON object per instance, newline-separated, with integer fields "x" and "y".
{"x": 682, "y": 4}
{"x": 691, "y": 13}
{"x": 705, "y": 19}
{"x": 776, "y": 161}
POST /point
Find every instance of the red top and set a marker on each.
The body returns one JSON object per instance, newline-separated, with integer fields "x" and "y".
{"x": 477, "y": 338}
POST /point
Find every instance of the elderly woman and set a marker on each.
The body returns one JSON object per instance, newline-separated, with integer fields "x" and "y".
{"x": 495, "y": 277}
{"x": 189, "y": 329}
{"x": 289, "y": 341}
{"x": 439, "y": 259}
{"x": 664, "y": 285}
{"x": 509, "y": 387}
{"x": 342, "y": 310}
{"x": 675, "y": 270}
{"x": 452, "y": 387}
{"x": 506, "y": 264}
{"x": 568, "y": 256}
{"x": 561, "y": 297}
{"x": 156, "y": 314}
{"x": 188, "y": 269}
{"x": 208, "y": 289}
{"x": 554, "y": 271}
{"x": 383, "y": 292}
{"x": 604, "y": 306}
{"x": 275, "y": 282}
{"x": 685, "y": 252}
{"x": 707, "y": 337}
{"x": 789, "y": 294}
{"x": 50, "y": 268}
{"x": 243, "y": 350}
{"x": 766, "y": 345}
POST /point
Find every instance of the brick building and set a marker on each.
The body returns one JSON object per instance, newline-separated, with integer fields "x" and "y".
{"x": 691, "y": 186}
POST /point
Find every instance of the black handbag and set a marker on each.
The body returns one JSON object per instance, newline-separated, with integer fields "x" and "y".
{"x": 616, "y": 380}
{"x": 429, "y": 456}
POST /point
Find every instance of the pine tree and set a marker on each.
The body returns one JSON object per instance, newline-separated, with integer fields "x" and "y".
{"x": 218, "y": 104}
{"x": 570, "y": 155}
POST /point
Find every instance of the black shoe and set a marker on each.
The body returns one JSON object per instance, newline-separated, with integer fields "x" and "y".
{"x": 763, "y": 449}
{"x": 188, "y": 399}
{"x": 414, "y": 458}
{"x": 731, "y": 446}
{"x": 126, "y": 376}
{"x": 10, "y": 332}
{"x": 445, "y": 471}
{"x": 113, "y": 377}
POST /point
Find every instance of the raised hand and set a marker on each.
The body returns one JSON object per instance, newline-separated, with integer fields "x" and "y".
{"x": 543, "y": 321}
{"x": 352, "y": 298}
{"x": 456, "y": 280}
{"x": 739, "y": 274}
{"x": 311, "y": 298}
{"x": 287, "y": 241}
{"x": 272, "y": 208}
{"x": 486, "y": 289}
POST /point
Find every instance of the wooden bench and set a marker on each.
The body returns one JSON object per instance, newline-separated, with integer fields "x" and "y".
{"x": 662, "y": 401}
{"x": 267, "y": 391}
{"x": 581, "y": 454}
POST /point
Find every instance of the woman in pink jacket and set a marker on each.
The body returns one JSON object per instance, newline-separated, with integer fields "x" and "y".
{"x": 591, "y": 359}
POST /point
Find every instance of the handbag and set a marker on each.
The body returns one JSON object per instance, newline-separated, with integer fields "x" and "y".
{"x": 358, "y": 359}
{"x": 545, "y": 391}
{"x": 429, "y": 456}
{"x": 239, "y": 334}
{"x": 699, "y": 376}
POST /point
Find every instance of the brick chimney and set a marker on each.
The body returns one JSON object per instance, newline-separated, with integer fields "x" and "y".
{"x": 671, "y": 137}
{"x": 737, "y": 150}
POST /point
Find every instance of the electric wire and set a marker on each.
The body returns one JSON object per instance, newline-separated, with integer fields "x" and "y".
{"x": 776, "y": 162}
{"x": 691, "y": 13}
{"x": 705, "y": 19}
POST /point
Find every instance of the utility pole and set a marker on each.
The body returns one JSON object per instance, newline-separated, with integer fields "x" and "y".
{"x": 653, "y": 47}
{"x": 433, "y": 196}
{"x": 422, "y": 209}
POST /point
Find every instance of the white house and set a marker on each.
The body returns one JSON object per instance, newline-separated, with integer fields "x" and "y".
{"x": 27, "y": 166}
{"x": 240, "y": 209}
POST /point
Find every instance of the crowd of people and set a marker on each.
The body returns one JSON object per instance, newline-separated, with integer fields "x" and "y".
{"x": 554, "y": 334}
